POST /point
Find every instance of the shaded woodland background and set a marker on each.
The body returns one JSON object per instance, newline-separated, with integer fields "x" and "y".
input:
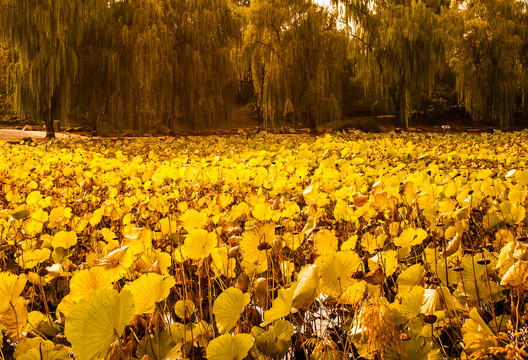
{"x": 160, "y": 65}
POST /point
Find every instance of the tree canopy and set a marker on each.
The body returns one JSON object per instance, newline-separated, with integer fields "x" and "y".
{"x": 161, "y": 64}
{"x": 295, "y": 54}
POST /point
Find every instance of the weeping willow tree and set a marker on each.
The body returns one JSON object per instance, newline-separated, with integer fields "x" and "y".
{"x": 45, "y": 35}
{"x": 295, "y": 55}
{"x": 163, "y": 61}
{"x": 398, "y": 47}
{"x": 486, "y": 58}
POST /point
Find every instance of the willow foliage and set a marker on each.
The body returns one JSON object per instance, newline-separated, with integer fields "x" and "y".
{"x": 44, "y": 34}
{"x": 398, "y": 47}
{"x": 127, "y": 63}
{"x": 295, "y": 55}
{"x": 165, "y": 60}
{"x": 487, "y": 58}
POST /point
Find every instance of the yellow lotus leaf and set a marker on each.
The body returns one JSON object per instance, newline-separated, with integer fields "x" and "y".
{"x": 410, "y": 237}
{"x": 139, "y": 240}
{"x": 32, "y": 227}
{"x": 96, "y": 217}
{"x": 85, "y": 281}
{"x": 197, "y": 333}
{"x": 388, "y": 260}
{"x": 194, "y": 219}
{"x": 21, "y": 212}
{"x": 503, "y": 236}
{"x": 184, "y": 308}
{"x": 31, "y": 258}
{"x": 412, "y": 276}
{"x": 224, "y": 200}
{"x": 116, "y": 262}
{"x": 336, "y": 270}
{"x": 222, "y": 264}
{"x": 262, "y": 212}
{"x": 161, "y": 345}
{"x": 10, "y": 288}
{"x": 517, "y": 275}
{"x": 521, "y": 251}
{"x": 273, "y": 343}
{"x": 310, "y": 225}
{"x": 34, "y": 319}
{"x": 157, "y": 258}
{"x": 97, "y": 321}
{"x": 522, "y": 177}
{"x": 325, "y": 242}
{"x": 64, "y": 239}
{"x": 281, "y": 306}
{"x": 230, "y": 347}
{"x": 371, "y": 242}
{"x": 109, "y": 236}
{"x": 476, "y": 334}
{"x": 167, "y": 226}
{"x": 148, "y": 290}
{"x": 306, "y": 289}
{"x": 342, "y": 211}
{"x": 251, "y": 239}
{"x": 66, "y": 305}
{"x": 15, "y": 319}
{"x": 349, "y": 244}
{"x": 227, "y": 308}
{"x": 58, "y": 216}
{"x": 199, "y": 244}
{"x": 39, "y": 349}
{"x": 511, "y": 213}
{"x": 293, "y": 240}
{"x": 505, "y": 259}
{"x": 354, "y": 293}
{"x": 33, "y": 197}
{"x": 411, "y": 301}
{"x": 287, "y": 269}
{"x": 79, "y": 224}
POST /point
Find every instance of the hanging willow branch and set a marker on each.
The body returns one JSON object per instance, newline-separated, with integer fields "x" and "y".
{"x": 398, "y": 47}
{"x": 295, "y": 55}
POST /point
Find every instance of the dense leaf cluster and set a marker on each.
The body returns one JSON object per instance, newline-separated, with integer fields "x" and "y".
{"x": 225, "y": 247}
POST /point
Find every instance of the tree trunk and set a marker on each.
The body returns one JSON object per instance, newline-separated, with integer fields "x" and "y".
{"x": 398, "y": 101}
{"x": 50, "y": 129}
{"x": 311, "y": 123}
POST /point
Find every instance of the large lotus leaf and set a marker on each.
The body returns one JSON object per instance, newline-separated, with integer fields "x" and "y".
{"x": 411, "y": 237}
{"x": 15, "y": 319}
{"x": 161, "y": 346}
{"x": 307, "y": 285}
{"x": 227, "y": 308}
{"x": 281, "y": 306}
{"x": 325, "y": 242}
{"x": 418, "y": 348}
{"x": 97, "y": 321}
{"x": 149, "y": 289}
{"x": 411, "y": 301}
{"x": 229, "y": 347}
{"x": 40, "y": 349}
{"x": 85, "y": 281}
{"x": 477, "y": 335}
{"x": 251, "y": 239}
{"x": 10, "y": 288}
{"x": 336, "y": 270}
{"x": 412, "y": 276}
{"x": 199, "y": 244}
{"x": 275, "y": 342}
